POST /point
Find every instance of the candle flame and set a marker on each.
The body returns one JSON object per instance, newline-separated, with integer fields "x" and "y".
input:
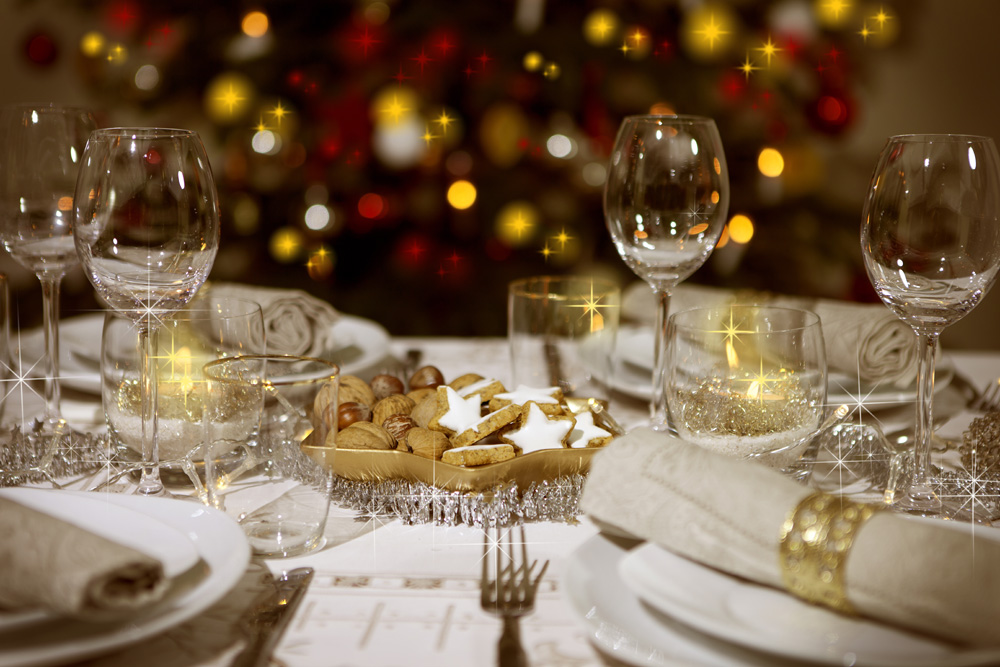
{"x": 596, "y": 322}
{"x": 731, "y": 357}
{"x": 754, "y": 391}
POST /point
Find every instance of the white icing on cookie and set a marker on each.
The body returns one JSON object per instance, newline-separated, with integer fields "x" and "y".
{"x": 524, "y": 393}
{"x": 460, "y": 413}
{"x": 585, "y": 430}
{"x": 475, "y": 387}
{"x": 539, "y": 432}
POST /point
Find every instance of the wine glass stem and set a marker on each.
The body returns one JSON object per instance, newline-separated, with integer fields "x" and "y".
{"x": 150, "y": 483}
{"x": 927, "y": 356}
{"x": 659, "y": 419}
{"x": 50, "y": 322}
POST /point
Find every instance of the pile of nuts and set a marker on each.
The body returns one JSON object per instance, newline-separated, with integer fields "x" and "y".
{"x": 385, "y": 414}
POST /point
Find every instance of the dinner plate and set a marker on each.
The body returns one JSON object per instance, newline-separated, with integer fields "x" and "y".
{"x": 223, "y": 554}
{"x": 360, "y": 344}
{"x": 772, "y": 622}
{"x": 634, "y": 362}
{"x": 618, "y": 623}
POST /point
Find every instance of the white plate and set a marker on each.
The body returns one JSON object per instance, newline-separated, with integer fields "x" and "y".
{"x": 773, "y": 622}
{"x": 626, "y": 629}
{"x": 634, "y": 363}
{"x": 360, "y": 343}
{"x": 220, "y": 544}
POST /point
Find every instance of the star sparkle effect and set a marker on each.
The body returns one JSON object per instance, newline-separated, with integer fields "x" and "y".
{"x": 591, "y": 305}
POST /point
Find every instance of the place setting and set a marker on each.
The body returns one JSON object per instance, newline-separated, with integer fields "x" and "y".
{"x": 450, "y": 345}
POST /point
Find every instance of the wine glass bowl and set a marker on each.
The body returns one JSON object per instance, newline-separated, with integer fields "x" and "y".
{"x": 147, "y": 228}
{"x": 147, "y": 232}
{"x": 39, "y": 165}
{"x": 930, "y": 237}
{"x": 665, "y": 205}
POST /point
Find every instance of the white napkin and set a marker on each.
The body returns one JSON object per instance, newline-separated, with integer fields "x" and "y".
{"x": 46, "y": 563}
{"x": 928, "y": 576}
{"x": 862, "y": 340}
{"x": 295, "y": 322}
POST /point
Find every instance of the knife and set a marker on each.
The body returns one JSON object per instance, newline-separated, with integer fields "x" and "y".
{"x": 266, "y": 619}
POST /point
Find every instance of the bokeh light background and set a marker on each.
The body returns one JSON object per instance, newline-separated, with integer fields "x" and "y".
{"x": 405, "y": 160}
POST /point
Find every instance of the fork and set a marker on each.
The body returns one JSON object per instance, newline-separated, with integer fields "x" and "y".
{"x": 989, "y": 399}
{"x": 508, "y": 589}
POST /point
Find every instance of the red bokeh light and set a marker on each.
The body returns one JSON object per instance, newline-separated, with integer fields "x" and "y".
{"x": 371, "y": 206}
{"x": 41, "y": 49}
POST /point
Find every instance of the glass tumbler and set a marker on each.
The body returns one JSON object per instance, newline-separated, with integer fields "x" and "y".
{"x": 211, "y": 327}
{"x": 747, "y": 381}
{"x": 562, "y": 331}
{"x": 260, "y": 406}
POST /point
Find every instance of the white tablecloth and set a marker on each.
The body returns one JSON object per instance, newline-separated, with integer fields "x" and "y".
{"x": 386, "y": 594}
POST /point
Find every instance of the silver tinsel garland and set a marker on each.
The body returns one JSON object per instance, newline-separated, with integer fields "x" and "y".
{"x": 501, "y": 505}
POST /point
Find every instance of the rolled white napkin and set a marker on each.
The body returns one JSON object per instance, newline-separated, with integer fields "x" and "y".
{"x": 295, "y": 322}
{"x": 47, "y": 563}
{"x": 927, "y": 576}
{"x": 862, "y": 340}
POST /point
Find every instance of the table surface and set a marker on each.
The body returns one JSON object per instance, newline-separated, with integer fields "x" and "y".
{"x": 390, "y": 594}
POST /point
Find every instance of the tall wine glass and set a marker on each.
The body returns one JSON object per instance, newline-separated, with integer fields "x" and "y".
{"x": 665, "y": 205}
{"x": 930, "y": 236}
{"x": 147, "y": 231}
{"x": 39, "y": 161}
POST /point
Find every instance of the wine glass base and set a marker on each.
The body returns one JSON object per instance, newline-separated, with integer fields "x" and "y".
{"x": 919, "y": 500}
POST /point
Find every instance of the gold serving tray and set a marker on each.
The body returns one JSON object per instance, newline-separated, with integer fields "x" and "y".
{"x": 380, "y": 465}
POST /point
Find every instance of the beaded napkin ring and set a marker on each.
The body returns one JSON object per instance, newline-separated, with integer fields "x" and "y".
{"x": 815, "y": 541}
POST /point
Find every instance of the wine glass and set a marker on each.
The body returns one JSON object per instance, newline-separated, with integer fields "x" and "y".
{"x": 147, "y": 231}
{"x": 665, "y": 205}
{"x": 40, "y": 159}
{"x": 931, "y": 244}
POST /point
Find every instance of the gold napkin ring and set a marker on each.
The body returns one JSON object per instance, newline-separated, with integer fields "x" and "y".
{"x": 815, "y": 541}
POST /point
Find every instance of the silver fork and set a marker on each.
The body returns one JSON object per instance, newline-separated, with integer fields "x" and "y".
{"x": 508, "y": 589}
{"x": 989, "y": 399}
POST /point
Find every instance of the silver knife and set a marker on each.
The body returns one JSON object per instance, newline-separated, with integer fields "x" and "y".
{"x": 266, "y": 619}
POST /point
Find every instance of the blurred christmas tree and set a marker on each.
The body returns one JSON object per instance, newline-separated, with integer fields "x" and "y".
{"x": 405, "y": 160}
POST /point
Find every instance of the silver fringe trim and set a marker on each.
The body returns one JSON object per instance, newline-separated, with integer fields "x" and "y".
{"x": 503, "y": 505}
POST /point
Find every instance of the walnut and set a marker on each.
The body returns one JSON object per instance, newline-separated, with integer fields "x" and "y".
{"x": 355, "y": 390}
{"x": 424, "y": 411}
{"x": 427, "y": 443}
{"x": 325, "y": 405}
{"x": 362, "y": 435}
{"x": 418, "y": 395}
{"x": 397, "y": 404}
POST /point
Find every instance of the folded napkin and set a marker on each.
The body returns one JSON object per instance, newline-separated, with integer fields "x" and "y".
{"x": 928, "y": 576}
{"x": 295, "y": 322}
{"x": 862, "y": 340}
{"x": 47, "y": 563}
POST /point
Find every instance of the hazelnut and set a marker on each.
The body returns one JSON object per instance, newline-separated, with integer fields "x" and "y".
{"x": 397, "y": 426}
{"x": 428, "y": 376}
{"x": 386, "y": 385}
{"x": 351, "y": 413}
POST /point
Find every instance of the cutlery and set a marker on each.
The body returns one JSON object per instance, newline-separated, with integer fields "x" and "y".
{"x": 267, "y": 617}
{"x": 508, "y": 589}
